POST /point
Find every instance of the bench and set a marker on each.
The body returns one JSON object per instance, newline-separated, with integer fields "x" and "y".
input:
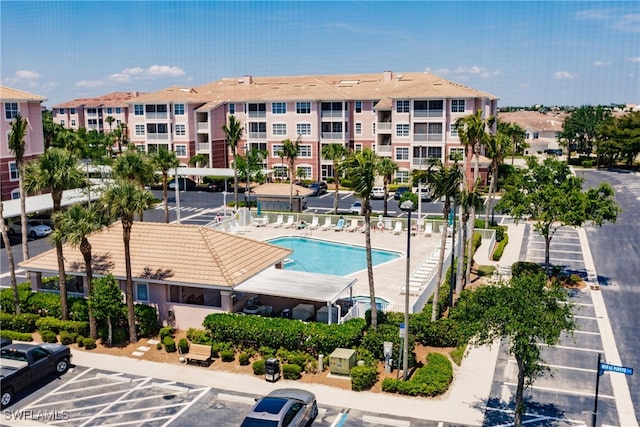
{"x": 200, "y": 353}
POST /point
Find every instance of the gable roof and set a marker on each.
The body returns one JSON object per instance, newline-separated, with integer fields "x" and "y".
{"x": 534, "y": 120}
{"x": 10, "y": 94}
{"x": 113, "y": 99}
{"x": 169, "y": 253}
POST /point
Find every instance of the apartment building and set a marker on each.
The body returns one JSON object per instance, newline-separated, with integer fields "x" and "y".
{"x": 408, "y": 117}
{"x": 92, "y": 113}
{"x": 28, "y": 105}
{"x": 541, "y": 129}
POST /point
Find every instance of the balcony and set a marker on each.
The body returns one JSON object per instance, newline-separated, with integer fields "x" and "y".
{"x": 257, "y": 135}
{"x": 257, "y": 114}
{"x": 384, "y": 127}
{"x": 203, "y": 127}
{"x": 331, "y": 113}
{"x": 384, "y": 150}
{"x": 436, "y": 137}
{"x": 161, "y": 115}
{"x": 203, "y": 146}
{"x": 331, "y": 135}
{"x": 428, "y": 113}
{"x": 157, "y": 136}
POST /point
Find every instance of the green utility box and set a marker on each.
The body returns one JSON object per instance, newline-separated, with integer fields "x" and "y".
{"x": 342, "y": 360}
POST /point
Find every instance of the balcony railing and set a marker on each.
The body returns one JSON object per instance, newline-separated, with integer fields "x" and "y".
{"x": 428, "y": 113}
{"x": 162, "y": 115}
{"x": 257, "y": 135}
{"x": 384, "y": 127}
{"x": 157, "y": 136}
{"x": 427, "y": 137}
{"x": 331, "y": 113}
{"x": 383, "y": 149}
{"x": 331, "y": 135}
{"x": 203, "y": 126}
{"x": 203, "y": 146}
{"x": 257, "y": 114}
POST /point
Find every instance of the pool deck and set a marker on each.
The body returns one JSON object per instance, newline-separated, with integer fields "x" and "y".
{"x": 388, "y": 277}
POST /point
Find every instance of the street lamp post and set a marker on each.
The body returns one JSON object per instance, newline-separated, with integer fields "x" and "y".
{"x": 407, "y": 206}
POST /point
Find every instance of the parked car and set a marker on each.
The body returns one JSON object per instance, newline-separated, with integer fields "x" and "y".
{"x": 400, "y": 191}
{"x": 182, "y": 183}
{"x": 283, "y": 407}
{"x": 35, "y": 228}
{"x": 377, "y": 193}
{"x": 424, "y": 193}
{"x": 215, "y": 187}
{"x": 356, "y": 207}
{"x": 26, "y": 364}
{"x": 318, "y": 188}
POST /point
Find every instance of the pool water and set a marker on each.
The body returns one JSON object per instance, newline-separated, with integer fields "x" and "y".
{"x": 319, "y": 256}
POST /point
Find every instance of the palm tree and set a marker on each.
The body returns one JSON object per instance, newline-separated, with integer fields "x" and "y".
{"x": 233, "y": 134}
{"x": 17, "y": 146}
{"x": 443, "y": 182}
{"x": 516, "y": 135}
{"x": 135, "y": 167}
{"x": 197, "y": 161}
{"x": 12, "y": 265}
{"x": 361, "y": 169}
{"x": 335, "y": 153}
{"x": 74, "y": 226}
{"x": 496, "y": 146}
{"x": 290, "y": 150}
{"x": 57, "y": 170}
{"x": 124, "y": 200}
{"x": 164, "y": 161}
{"x": 469, "y": 201}
{"x": 386, "y": 168}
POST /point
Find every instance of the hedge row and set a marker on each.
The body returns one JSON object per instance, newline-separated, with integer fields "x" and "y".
{"x": 497, "y": 253}
{"x": 57, "y": 325}
{"x": 19, "y": 322}
{"x": 256, "y": 331}
{"x": 15, "y": 335}
{"x": 430, "y": 380}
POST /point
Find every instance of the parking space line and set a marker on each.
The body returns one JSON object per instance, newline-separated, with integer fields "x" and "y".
{"x": 385, "y": 421}
{"x": 558, "y": 390}
{"x": 570, "y": 368}
{"x": 573, "y": 348}
{"x": 187, "y": 406}
{"x": 78, "y": 399}
{"x": 233, "y": 398}
{"x": 586, "y": 332}
{"x": 585, "y": 317}
{"x": 510, "y": 411}
{"x": 142, "y": 383}
{"x": 72, "y": 381}
{"x": 138, "y": 410}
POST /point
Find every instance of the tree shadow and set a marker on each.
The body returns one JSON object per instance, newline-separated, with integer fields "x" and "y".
{"x": 101, "y": 264}
{"x": 158, "y": 274}
{"x": 499, "y": 412}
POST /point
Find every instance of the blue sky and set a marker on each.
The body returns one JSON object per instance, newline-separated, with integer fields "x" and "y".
{"x": 552, "y": 53}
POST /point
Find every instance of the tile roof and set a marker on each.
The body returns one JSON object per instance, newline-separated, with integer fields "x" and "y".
{"x": 10, "y": 94}
{"x": 113, "y": 99}
{"x": 171, "y": 253}
{"x": 374, "y": 86}
{"x": 534, "y": 120}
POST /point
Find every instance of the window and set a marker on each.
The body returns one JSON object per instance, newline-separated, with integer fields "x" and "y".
{"x": 138, "y": 110}
{"x": 15, "y": 194}
{"x": 61, "y": 111}
{"x": 457, "y": 105}
{"x": 178, "y": 109}
{"x": 109, "y": 110}
{"x": 456, "y": 153}
{"x": 257, "y": 130}
{"x": 139, "y": 130}
{"x": 357, "y": 148}
{"x": 358, "y": 106}
{"x": 257, "y": 110}
{"x": 303, "y": 172}
{"x": 453, "y": 128}
{"x": 402, "y": 153}
{"x": 279, "y": 128}
{"x": 232, "y": 108}
{"x": 61, "y": 122}
{"x": 402, "y": 106}
{"x": 13, "y": 171}
{"x": 358, "y": 126}
{"x": 92, "y": 111}
{"x": 73, "y": 122}
{"x": 420, "y": 153}
{"x": 10, "y": 110}
{"x": 279, "y": 108}
{"x": 402, "y": 129}
{"x": 180, "y": 130}
{"x": 118, "y": 110}
{"x": 157, "y": 128}
{"x": 142, "y": 292}
{"x": 72, "y": 111}
{"x": 181, "y": 150}
{"x": 303, "y": 128}
{"x": 118, "y": 123}
{"x": 303, "y": 107}
{"x": 536, "y": 135}
{"x": 304, "y": 151}
{"x": 276, "y": 149}
{"x": 402, "y": 177}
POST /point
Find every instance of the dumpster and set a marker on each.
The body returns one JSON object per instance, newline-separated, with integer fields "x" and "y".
{"x": 272, "y": 369}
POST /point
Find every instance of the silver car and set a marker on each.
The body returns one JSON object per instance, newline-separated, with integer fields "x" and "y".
{"x": 285, "y": 407}
{"x": 35, "y": 229}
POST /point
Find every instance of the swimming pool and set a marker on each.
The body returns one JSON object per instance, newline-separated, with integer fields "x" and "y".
{"x": 320, "y": 256}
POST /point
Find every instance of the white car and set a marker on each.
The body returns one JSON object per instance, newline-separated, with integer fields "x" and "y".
{"x": 356, "y": 207}
{"x": 424, "y": 193}
{"x": 34, "y": 229}
{"x": 377, "y": 193}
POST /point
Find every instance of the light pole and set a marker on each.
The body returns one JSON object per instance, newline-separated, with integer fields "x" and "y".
{"x": 407, "y": 206}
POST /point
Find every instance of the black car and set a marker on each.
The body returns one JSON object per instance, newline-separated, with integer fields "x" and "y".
{"x": 400, "y": 191}
{"x": 183, "y": 183}
{"x": 318, "y": 188}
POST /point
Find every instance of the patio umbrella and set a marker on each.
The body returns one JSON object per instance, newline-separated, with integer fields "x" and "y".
{"x": 259, "y": 208}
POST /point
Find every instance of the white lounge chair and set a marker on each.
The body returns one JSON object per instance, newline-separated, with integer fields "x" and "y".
{"x": 354, "y": 225}
{"x": 279, "y": 221}
{"x": 341, "y": 225}
{"x": 398, "y": 228}
{"x": 327, "y": 224}
{"x": 314, "y": 223}
{"x": 428, "y": 228}
{"x": 290, "y": 222}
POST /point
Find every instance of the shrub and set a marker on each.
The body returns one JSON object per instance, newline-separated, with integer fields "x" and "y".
{"x": 43, "y": 304}
{"x": 89, "y": 343}
{"x": 159, "y": 346}
{"x": 146, "y": 320}
{"x": 363, "y": 377}
{"x": 80, "y": 341}
{"x": 169, "y": 344}
{"x": 19, "y": 322}
{"x": 67, "y": 337}
{"x": 458, "y": 353}
{"x": 57, "y": 325}
{"x": 183, "y": 345}
{"x": 17, "y": 336}
{"x": 444, "y": 332}
{"x": 587, "y": 163}
{"x": 373, "y": 342}
{"x": 266, "y": 351}
{"x": 244, "y": 358}
{"x": 227, "y": 355}
{"x": 291, "y": 372}
{"x": 199, "y": 336}
{"x": 259, "y": 367}
{"x": 497, "y": 253}
{"x": 167, "y": 331}
{"x": 430, "y": 380}
{"x": 528, "y": 268}
{"x": 7, "y": 304}
{"x": 48, "y": 336}
{"x": 119, "y": 334}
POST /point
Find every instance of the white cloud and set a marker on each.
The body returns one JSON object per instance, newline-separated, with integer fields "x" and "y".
{"x": 562, "y": 75}
{"x": 439, "y": 71}
{"x": 28, "y": 77}
{"x": 475, "y": 70}
{"x": 629, "y": 23}
{"x": 90, "y": 83}
{"x": 626, "y": 22}
{"x": 135, "y": 73}
{"x": 164, "y": 70}
{"x": 600, "y": 63}
{"x": 634, "y": 59}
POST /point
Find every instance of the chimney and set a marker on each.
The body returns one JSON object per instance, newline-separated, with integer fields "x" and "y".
{"x": 388, "y": 76}
{"x": 248, "y": 79}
